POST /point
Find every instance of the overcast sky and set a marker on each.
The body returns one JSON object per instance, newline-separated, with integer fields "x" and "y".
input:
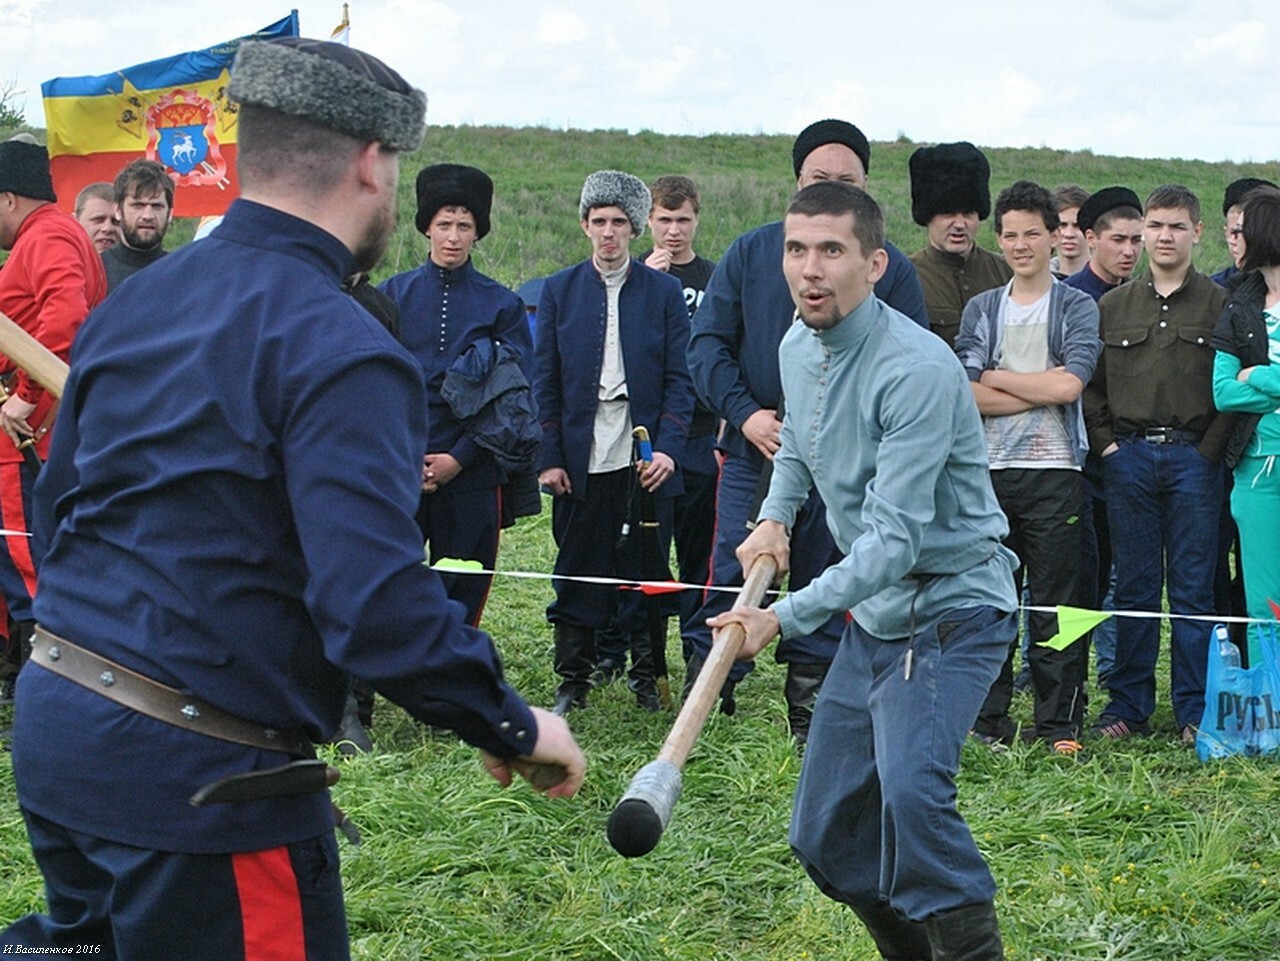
{"x": 1173, "y": 78}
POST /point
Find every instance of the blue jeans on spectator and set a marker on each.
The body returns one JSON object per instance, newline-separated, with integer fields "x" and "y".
{"x": 875, "y": 815}
{"x": 1163, "y": 504}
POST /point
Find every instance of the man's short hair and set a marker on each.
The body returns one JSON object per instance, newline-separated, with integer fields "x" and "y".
{"x": 1173, "y": 197}
{"x": 102, "y": 190}
{"x": 835, "y": 198}
{"x": 1031, "y": 197}
{"x": 279, "y": 148}
{"x": 671, "y": 191}
{"x": 142, "y": 178}
{"x": 1261, "y": 228}
{"x": 1067, "y": 196}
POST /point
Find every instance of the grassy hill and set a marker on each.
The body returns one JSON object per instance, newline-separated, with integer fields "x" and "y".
{"x": 744, "y": 181}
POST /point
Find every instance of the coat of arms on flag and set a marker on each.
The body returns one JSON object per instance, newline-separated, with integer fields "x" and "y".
{"x": 180, "y": 135}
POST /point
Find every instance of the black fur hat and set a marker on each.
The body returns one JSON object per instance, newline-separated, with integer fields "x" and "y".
{"x": 24, "y": 169}
{"x": 949, "y": 177}
{"x": 454, "y": 185}
{"x": 1103, "y": 201}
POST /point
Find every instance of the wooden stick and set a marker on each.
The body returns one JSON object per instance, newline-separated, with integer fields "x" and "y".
{"x": 728, "y": 642}
{"x": 638, "y": 820}
{"x": 40, "y": 363}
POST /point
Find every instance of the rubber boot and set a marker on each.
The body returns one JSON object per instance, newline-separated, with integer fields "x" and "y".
{"x": 611, "y": 655}
{"x": 896, "y": 938}
{"x": 968, "y": 933}
{"x": 364, "y": 702}
{"x": 728, "y": 705}
{"x": 804, "y": 681}
{"x": 575, "y": 657}
{"x": 640, "y": 679}
{"x": 351, "y": 737}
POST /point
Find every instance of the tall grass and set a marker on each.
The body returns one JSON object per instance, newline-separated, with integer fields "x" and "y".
{"x": 1130, "y": 851}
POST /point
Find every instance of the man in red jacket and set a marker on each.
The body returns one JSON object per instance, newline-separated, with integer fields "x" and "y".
{"x": 51, "y": 280}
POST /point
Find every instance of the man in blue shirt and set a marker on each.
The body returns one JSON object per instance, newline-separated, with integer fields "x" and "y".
{"x": 228, "y": 509}
{"x": 733, "y": 358}
{"x": 879, "y": 419}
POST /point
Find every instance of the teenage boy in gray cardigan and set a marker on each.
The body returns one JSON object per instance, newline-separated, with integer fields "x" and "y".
{"x": 1029, "y": 348}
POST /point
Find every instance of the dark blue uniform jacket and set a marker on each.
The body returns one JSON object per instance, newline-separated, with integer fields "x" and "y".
{"x": 229, "y": 504}
{"x": 569, "y": 355}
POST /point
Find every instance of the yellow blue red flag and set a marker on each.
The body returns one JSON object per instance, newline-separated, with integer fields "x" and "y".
{"x": 174, "y": 111}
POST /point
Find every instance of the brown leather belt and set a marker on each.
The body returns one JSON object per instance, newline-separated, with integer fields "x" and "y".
{"x": 140, "y": 693}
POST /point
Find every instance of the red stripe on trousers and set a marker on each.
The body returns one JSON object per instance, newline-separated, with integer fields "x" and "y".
{"x": 15, "y": 519}
{"x": 270, "y": 907}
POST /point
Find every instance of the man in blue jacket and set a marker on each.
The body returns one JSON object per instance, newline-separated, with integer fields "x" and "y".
{"x": 229, "y": 508}
{"x": 733, "y": 358}
{"x": 446, "y": 306}
{"x": 609, "y": 357}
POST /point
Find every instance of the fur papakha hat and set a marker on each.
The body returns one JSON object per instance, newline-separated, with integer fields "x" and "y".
{"x": 830, "y": 131}
{"x": 949, "y": 177}
{"x": 1237, "y": 189}
{"x": 1104, "y": 201}
{"x": 454, "y": 185}
{"x": 24, "y": 169}
{"x": 333, "y": 86}
{"x": 613, "y": 188}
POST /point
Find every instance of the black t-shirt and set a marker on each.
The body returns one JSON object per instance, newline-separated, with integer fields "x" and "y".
{"x": 694, "y": 277}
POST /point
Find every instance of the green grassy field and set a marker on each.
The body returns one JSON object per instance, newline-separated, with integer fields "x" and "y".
{"x": 1132, "y": 851}
{"x": 1128, "y": 851}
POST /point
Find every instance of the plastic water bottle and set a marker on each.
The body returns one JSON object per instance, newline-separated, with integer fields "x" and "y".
{"x": 1227, "y": 649}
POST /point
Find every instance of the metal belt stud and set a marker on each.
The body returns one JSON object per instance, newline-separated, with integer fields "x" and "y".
{"x": 54, "y": 653}
{"x": 190, "y": 712}
{"x": 107, "y": 678}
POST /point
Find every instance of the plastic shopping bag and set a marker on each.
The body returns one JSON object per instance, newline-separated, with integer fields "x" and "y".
{"x": 1241, "y": 706}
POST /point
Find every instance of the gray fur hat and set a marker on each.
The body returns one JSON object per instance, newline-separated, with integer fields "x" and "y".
{"x": 613, "y": 188}
{"x": 333, "y": 86}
